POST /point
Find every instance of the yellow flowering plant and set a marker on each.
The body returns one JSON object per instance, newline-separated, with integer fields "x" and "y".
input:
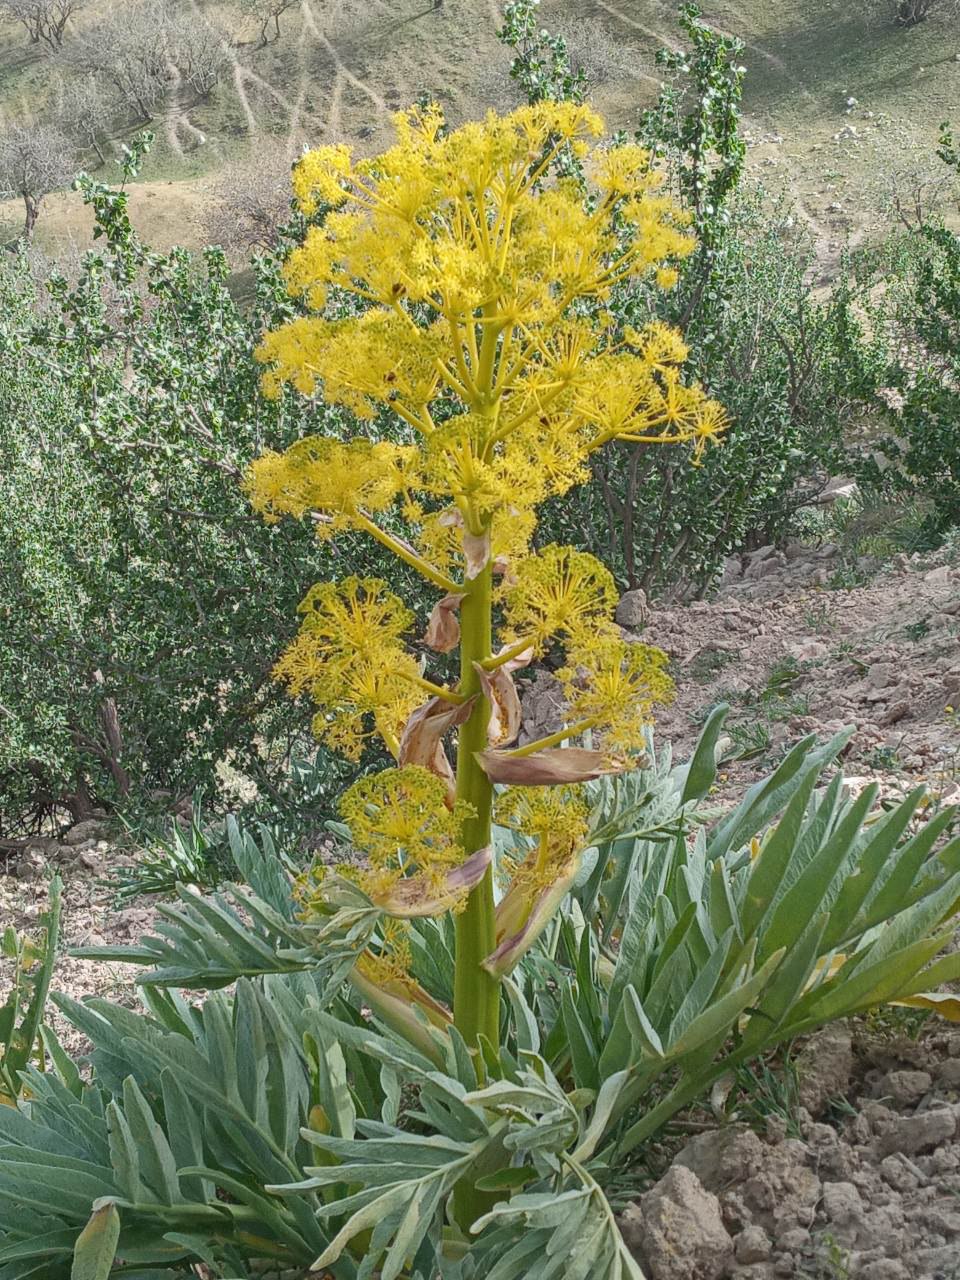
{"x": 483, "y": 285}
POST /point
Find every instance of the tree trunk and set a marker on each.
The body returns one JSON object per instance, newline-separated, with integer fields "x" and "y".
{"x": 32, "y": 207}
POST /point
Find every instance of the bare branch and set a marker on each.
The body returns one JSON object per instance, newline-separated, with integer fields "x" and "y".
{"x": 268, "y": 13}
{"x": 35, "y": 159}
{"x": 249, "y": 201}
{"x": 45, "y": 20}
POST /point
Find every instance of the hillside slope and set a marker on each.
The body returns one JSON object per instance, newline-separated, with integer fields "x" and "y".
{"x": 343, "y": 66}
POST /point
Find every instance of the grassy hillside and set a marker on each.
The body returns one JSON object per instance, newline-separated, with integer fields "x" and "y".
{"x": 342, "y": 66}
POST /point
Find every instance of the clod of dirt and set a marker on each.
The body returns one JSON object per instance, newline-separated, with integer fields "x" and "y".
{"x": 824, "y": 1067}
{"x": 769, "y": 1186}
{"x": 924, "y": 1132}
{"x": 876, "y": 1198}
{"x": 677, "y": 1230}
{"x": 906, "y": 1088}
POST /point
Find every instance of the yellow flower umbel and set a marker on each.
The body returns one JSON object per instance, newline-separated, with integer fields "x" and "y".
{"x": 348, "y": 656}
{"x": 613, "y": 685}
{"x": 481, "y": 286}
{"x": 560, "y": 593}
{"x": 471, "y": 263}
{"x": 400, "y": 822}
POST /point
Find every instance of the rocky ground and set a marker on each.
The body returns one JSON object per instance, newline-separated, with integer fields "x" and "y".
{"x": 793, "y": 651}
{"x": 868, "y": 1188}
{"x": 860, "y": 1178}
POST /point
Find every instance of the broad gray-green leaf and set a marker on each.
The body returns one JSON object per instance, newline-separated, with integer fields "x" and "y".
{"x": 96, "y": 1246}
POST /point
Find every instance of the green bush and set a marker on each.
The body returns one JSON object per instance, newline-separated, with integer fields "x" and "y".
{"x": 911, "y": 290}
{"x": 281, "y": 1123}
{"x": 141, "y": 610}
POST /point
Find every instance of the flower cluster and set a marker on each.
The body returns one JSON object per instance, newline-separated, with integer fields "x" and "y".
{"x": 613, "y": 685}
{"x": 410, "y": 841}
{"x": 609, "y": 684}
{"x": 559, "y": 593}
{"x": 349, "y": 657}
{"x": 469, "y": 265}
{"x": 554, "y": 819}
{"x": 481, "y": 325}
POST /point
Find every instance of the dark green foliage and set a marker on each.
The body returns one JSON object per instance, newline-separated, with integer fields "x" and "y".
{"x": 923, "y": 443}
{"x": 142, "y": 605}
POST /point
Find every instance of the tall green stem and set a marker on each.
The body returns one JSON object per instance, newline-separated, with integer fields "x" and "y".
{"x": 476, "y": 995}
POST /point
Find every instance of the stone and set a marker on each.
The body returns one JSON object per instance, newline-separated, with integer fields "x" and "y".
{"x": 842, "y": 1203}
{"x": 921, "y": 1132}
{"x": 763, "y": 568}
{"x": 632, "y": 610}
{"x": 824, "y": 1067}
{"x": 937, "y": 1263}
{"x": 732, "y": 571}
{"x": 897, "y": 711}
{"x": 722, "y": 1157}
{"x": 29, "y": 865}
{"x": 69, "y": 852}
{"x": 676, "y": 1231}
{"x": 948, "y": 1073}
{"x": 794, "y": 1240}
{"x": 883, "y": 1269}
{"x": 944, "y": 1160}
{"x": 772, "y": 1187}
{"x": 808, "y": 651}
{"x": 882, "y": 675}
{"x": 90, "y": 829}
{"x": 940, "y": 1220}
{"x": 542, "y": 705}
{"x": 906, "y": 1088}
{"x": 900, "y": 1173}
{"x": 844, "y": 1208}
{"x": 820, "y": 1136}
{"x": 939, "y": 577}
{"x": 752, "y": 1245}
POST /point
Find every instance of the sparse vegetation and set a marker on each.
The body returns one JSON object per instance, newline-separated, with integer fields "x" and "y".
{"x": 443, "y": 956}
{"x": 267, "y": 14}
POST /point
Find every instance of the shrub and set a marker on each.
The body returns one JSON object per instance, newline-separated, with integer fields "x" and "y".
{"x": 140, "y": 613}
{"x": 911, "y": 290}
